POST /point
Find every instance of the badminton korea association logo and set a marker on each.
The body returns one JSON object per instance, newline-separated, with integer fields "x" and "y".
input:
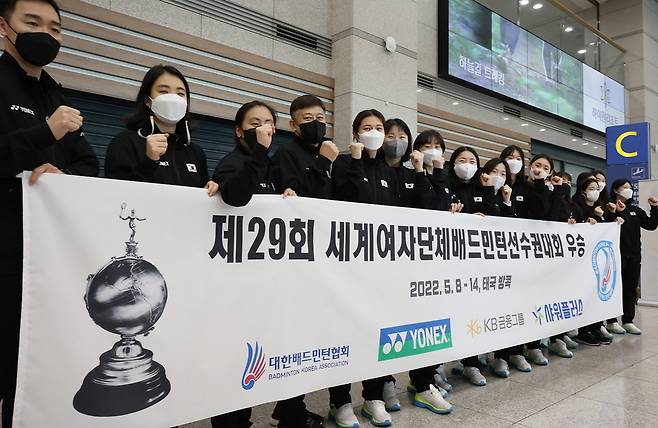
{"x": 604, "y": 264}
{"x": 255, "y": 366}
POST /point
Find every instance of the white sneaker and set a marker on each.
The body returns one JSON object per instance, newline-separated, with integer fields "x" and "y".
{"x": 499, "y": 367}
{"x": 605, "y": 333}
{"x": 572, "y": 333}
{"x": 559, "y": 348}
{"x": 519, "y": 362}
{"x": 615, "y": 328}
{"x": 631, "y": 328}
{"x": 375, "y": 412}
{"x": 571, "y": 344}
{"x": 343, "y": 416}
{"x": 442, "y": 385}
{"x": 432, "y": 401}
{"x": 474, "y": 376}
{"x": 536, "y": 356}
{"x": 441, "y": 378}
{"x": 391, "y": 397}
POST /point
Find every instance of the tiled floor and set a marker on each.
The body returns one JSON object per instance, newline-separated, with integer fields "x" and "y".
{"x": 609, "y": 386}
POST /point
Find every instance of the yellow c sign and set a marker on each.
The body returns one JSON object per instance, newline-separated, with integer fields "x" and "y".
{"x": 620, "y": 141}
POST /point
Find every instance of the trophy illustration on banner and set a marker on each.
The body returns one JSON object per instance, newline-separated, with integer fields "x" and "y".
{"x": 127, "y": 297}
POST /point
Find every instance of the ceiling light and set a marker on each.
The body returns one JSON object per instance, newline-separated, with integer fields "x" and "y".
{"x": 542, "y": 130}
{"x": 418, "y": 90}
{"x": 537, "y": 6}
{"x": 524, "y": 124}
{"x": 506, "y": 118}
{"x": 455, "y": 103}
{"x": 582, "y": 51}
{"x": 524, "y": 2}
{"x": 596, "y": 147}
{"x": 585, "y": 143}
{"x": 592, "y": 43}
{"x": 574, "y": 139}
{"x": 568, "y": 29}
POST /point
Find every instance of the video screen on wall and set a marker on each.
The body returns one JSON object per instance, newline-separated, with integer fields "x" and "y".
{"x": 493, "y": 53}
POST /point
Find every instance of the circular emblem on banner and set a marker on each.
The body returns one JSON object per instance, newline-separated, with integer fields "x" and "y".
{"x": 604, "y": 265}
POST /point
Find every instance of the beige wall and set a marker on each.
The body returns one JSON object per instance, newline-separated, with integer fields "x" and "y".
{"x": 312, "y": 15}
{"x": 634, "y": 25}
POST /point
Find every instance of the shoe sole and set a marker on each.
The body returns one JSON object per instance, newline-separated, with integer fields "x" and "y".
{"x": 561, "y": 355}
{"x": 432, "y": 408}
{"x": 586, "y": 343}
{"x": 634, "y": 334}
{"x": 504, "y": 375}
{"x": 372, "y": 420}
{"x": 395, "y": 408}
{"x": 621, "y": 333}
{"x": 333, "y": 419}
{"x": 476, "y": 384}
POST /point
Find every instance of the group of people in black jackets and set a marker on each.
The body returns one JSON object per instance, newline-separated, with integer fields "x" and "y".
{"x": 384, "y": 166}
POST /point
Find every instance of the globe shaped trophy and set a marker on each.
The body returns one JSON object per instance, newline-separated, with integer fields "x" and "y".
{"x": 126, "y": 297}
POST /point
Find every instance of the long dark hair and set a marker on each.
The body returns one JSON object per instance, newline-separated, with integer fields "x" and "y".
{"x": 508, "y": 151}
{"x": 578, "y": 198}
{"x": 604, "y": 198}
{"x": 242, "y": 112}
{"x": 365, "y": 114}
{"x": 543, "y": 156}
{"x": 451, "y": 168}
{"x": 391, "y": 123}
{"x": 429, "y": 136}
{"x": 140, "y": 117}
{"x": 616, "y": 185}
{"x": 491, "y": 164}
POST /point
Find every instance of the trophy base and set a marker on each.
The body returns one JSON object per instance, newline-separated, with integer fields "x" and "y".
{"x": 127, "y": 380}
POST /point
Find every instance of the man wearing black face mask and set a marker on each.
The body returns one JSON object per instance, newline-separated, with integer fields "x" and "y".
{"x": 304, "y": 165}
{"x": 37, "y": 132}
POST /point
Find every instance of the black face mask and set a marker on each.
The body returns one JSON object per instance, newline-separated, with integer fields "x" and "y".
{"x": 250, "y": 137}
{"x": 313, "y": 132}
{"x": 38, "y": 49}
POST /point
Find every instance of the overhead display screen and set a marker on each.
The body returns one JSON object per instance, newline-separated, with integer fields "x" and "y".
{"x": 495, "y": 54}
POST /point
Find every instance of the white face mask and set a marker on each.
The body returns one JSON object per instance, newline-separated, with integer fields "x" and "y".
{"x": 602, "y": 186}
{"x": 541, "y": 175}
{"x": 372, "y": 140}
{"x": 626, "y": 194}
{"x": 498, "y": 182}
{"x": 515, "y": 165}
{"x": 592, "y": 195}
{"x": 465, "y": 171}
{"x": 169, "y": 108}
{"x": 431, "y": 155}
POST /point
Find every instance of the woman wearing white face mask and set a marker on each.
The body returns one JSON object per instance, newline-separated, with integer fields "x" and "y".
{"x": 630, "y": 245}
{"x": 476, "y": 193}
{"x": 587, "y": 209}
{"x": 431, "y": 144}
{"x": 156, "y": 147}
{"x": 363, "y": 176}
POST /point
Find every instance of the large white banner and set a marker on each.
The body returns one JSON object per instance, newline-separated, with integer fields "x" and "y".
{"x": 282, "y": 297}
